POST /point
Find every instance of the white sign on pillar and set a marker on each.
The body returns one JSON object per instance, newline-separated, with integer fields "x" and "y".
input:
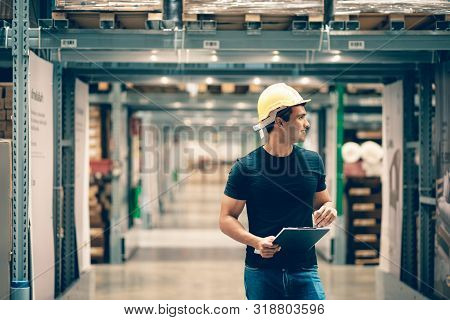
{"x": 82, "y": 174}
{"x": 392, "y": 179}
{"x": 40, "y": 97}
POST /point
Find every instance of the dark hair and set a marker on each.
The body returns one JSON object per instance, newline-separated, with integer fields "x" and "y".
{"x": 284, "y": 114}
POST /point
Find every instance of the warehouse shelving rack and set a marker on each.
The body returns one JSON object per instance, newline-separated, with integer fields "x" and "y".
{"x": 96, "y": 55}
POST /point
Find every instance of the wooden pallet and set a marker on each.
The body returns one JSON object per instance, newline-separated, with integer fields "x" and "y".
{"x": 206, "y": 22}
{"x": 392, "y": 21}
{"x": 366, "y": 237}
{"x": 107, "y": 20}
{"x": 367, "y": 261}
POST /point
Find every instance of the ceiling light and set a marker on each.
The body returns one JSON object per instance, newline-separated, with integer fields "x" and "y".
{"x": 153, "y": 58}
{"x": 275, "y": 58}
{"x": 305, "y": 80}
{"x": 214, "y": 58}
{"x": 276, "y": 52}
{"x": 256, "y": 81}
{"x": 164, "y": 80}
{"x": 240, "y": 105}
{"x": 209, "y": 121}
{"x": 209, "y": 80}
{"x": 187, "y": 122}
{"x": 154, "y": 51}
{"x": 209, "y": 105}
{"x": 336, "y": 58}
{"x": 177, "y": 104}
{"x": 335, "y": 52}
{"x": 231, "y": 121}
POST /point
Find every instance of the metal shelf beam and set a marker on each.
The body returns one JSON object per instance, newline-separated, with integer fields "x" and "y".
{"x": 146, "y": 72}
{"x": 123, "y": 39}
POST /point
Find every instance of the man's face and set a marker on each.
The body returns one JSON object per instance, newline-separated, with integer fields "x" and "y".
{"x": 297, "y": 126}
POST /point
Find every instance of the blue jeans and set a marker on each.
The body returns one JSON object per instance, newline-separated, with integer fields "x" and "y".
{"x": 283, "y": 284}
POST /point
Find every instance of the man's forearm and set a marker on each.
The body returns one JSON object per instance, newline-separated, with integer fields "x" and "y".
{"x": 235, "y": 230}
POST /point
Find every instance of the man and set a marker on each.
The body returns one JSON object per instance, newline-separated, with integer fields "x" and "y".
{"x": 280, "y": 183}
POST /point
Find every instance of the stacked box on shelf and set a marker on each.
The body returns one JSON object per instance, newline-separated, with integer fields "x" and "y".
{"x": 6, "y": 9}
{"x": 363, "y": 201}
{"x": 96, "y": 225}
{"x": 6, "y": 97}
{"x": 95, "y": 133}
{"x": 99, "y": 190}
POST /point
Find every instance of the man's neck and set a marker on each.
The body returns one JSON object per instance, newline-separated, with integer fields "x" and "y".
{"x": 276, "y": 148}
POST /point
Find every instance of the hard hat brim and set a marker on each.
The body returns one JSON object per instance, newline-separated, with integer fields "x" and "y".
{"x": 268, "y": 119}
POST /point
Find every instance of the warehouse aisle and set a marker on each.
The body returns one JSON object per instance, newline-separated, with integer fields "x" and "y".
{"x": 189, "y": 258}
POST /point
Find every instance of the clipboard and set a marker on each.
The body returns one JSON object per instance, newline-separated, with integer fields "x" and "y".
{"x": 299, "y": 239}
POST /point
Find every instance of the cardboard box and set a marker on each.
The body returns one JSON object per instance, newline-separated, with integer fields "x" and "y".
{"x": 8, "y": 97}
{"x": 5, "y": 215}
{"x": 8, "y": 133}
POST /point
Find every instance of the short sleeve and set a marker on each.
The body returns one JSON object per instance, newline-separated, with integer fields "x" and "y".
{"x": 236, "y": 184}
{"x": 321, "y": 184}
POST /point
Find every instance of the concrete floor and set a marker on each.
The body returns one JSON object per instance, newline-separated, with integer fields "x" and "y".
{"x": 188, "y": 257}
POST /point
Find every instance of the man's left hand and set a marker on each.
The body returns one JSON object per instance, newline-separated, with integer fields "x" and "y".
{"x": 324, "y": 216}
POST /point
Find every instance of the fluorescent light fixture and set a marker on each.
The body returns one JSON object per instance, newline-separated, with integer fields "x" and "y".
{"x": 154, "y": 51}
{"x": 209, "y": 80}
{"x": 305, "y": 80}
{"x": 209, "y": 121}
{"x": 275, "y": 52}
{"x": 177, "y": 104}
{"x": 209, "y": 105}
{"x": 256, "y": 81}
{"x": 164, "y": 80}
{"x": 276, "y": 58}
{"x": 214, "y": 58}
{"x": 336, "y": 58}
{"x": 153, "y": 58}
{"x": 231, "y": 121}
{"x": 240, "y": 105}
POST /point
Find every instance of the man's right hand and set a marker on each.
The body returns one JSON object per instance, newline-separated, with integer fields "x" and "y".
{"x": 266, "y": 248}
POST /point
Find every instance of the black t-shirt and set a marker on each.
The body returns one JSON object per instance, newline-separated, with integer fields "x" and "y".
{"x": 279, "y": 193}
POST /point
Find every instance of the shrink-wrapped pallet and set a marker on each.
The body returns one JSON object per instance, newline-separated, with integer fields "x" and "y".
{"x": 233, "y": 7}
{"x": 389, "y": 6}
{"x": 104, "y": 5}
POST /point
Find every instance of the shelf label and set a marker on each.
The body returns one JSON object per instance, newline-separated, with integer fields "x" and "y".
{"x": 68, "y": 43}
{"x": 356, "y": 45}
{"x": 211, "y": 44}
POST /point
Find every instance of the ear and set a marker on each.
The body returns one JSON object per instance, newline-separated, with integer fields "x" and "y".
{"x": 279, "y": 122}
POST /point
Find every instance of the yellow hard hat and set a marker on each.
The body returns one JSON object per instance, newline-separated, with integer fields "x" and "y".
{"x": 275, "y": 98}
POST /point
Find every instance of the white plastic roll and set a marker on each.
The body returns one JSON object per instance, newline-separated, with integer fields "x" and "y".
{"x": 371, "y": 152}
{"x": 351, "y": 152}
